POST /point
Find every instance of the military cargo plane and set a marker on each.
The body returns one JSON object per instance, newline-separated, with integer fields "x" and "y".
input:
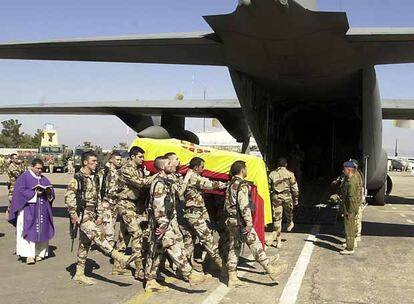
{"x": 301, "y": 76}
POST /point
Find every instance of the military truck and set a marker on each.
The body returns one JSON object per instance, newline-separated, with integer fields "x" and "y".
{"x": 56, "y": 155}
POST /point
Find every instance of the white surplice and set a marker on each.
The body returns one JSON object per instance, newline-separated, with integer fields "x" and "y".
{"x": 25, "y": 248}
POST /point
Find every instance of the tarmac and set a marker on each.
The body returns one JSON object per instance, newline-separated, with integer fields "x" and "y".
{"x": 380, "y": 271}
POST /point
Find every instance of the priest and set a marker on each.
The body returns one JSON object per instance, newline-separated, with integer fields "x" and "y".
{"x": 31, "y": 213}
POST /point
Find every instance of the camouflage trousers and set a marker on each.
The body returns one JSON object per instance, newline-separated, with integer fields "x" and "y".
{"x": 90, "y": 232}
{"x": 358, "y": 221}
{"x": 109, "y": 219}
{"x": 188, "y": 241}
{"x": 282, "y": 207}
{"x": 235, "y": 245}
{"x": 131, "y": 226}
{"x": 198, "y": 227}
{"x": 10, "y": 196}
{"x": 172, "y": 244}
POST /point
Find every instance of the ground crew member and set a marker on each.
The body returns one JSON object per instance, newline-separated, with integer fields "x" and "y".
{"x": 132, "y": 184}
{"x": 85, "y": 184}
{"x": 108, "y": 193}
{"x": 284, "y": 195}
{"x": 240, "y": 224}
{"x": 358, "y": 218}
{"x": 195, "y": 212}
{"x": 351, "y": 199}
{"x": 14, "y": 170}
{"x": 165, "y": 235}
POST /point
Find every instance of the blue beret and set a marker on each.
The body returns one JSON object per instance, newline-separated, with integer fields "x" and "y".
{"x": 349, "y": 164}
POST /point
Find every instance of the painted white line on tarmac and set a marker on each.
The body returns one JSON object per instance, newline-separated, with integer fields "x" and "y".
{"x": 291, "y": 290}
{"x": 393, "y": 208}
{"x": 410, "y": 221}
{"x": 222, "y": 290}
{"x": 403, "y": 215}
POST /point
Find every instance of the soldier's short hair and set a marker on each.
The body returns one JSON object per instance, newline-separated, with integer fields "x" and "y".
{"x": 169, "y": 154}
{"x": 158, "y": 161}
{"x": 196, "y": 162}
{"x": 115, "y": 154}
{"x": 281, "y": 162}
{"x": 13, "y": 155}
{"x": 37, "y": 161}
{"x": 86, "y": 155}
{"x": 236, "y": 167}
{"x": 135, "y": 150}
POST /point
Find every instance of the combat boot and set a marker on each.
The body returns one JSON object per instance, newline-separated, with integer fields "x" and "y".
{"x": 80, "y": 277}
{"x": 347, "y": 252}
{"x": 290, "y": 226}
{"x": 278, "y": 242}
{"x": 153, "y": 286}
{"x": 118, "y": 270}
{"x": 275, "y": 271}
{"x": 123, "y": 260}
{"x": 197, "y": 266}
{"x": 139, "y": 270}
{"x": 234, "y": 282}
{"x": 195, "y": 279}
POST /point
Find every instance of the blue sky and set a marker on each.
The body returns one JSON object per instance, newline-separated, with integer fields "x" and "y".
{"x": 37, "y": 81}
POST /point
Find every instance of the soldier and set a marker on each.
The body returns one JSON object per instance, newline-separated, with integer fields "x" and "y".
{"x": 351, "y": 200}
{"x": 358, "y": 218}
{"x": 165, "y": 233}
{"x": 132, "y": 185}
{"x": 14, "y": 170}
{"x": 240, "y": 224}
{"x": 109, "y": 191}
{"x": 84, "y": 190}
{"x": 195, "y": 212}
{"x": 284, "y": 195}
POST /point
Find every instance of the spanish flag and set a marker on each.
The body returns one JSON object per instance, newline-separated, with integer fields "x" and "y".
{"x": 217, "y": 166}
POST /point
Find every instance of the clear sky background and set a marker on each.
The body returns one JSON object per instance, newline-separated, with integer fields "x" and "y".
{"x": 41, "y": 81}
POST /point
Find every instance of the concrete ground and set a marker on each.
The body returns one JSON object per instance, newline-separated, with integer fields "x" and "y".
{"x": 381, "y": 271}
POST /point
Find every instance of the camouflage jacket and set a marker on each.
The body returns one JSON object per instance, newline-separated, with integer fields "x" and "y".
{"x": 194, "y": 185}
{"x": 132, "y": 183}
{"x": 283, "y": 185}
{"x": 237, "y": 194}
{"x": 92, "y": 201}
{"x": 109, "y": 184}
{"x": 162, "y": 200}
{"x": 351, "y": 194}
{"x": 178, "y": 184}
{"x": 14, "y": 171}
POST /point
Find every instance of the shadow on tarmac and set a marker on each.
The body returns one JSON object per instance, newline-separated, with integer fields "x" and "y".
{"x": 90, "y": 266}
{"x": 244, "y": 279}
{"x": 398, "y": 200}
{"x": 2, "y": 234}
{"x": 387, "y": 229}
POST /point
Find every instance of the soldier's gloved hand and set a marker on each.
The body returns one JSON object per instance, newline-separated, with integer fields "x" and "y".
{"x": 248, "y": 229}
{"x": 295, "y": 202}
{"x": 74, "y": 219}
{"x": 146, "y": 172}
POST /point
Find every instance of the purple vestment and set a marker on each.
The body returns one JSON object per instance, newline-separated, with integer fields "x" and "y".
{"x": 38, "y": 218}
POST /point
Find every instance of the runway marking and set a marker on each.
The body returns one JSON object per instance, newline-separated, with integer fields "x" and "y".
{"x": 393, "y": 208}
{"x": 222, "y": 290}
{"x": 410, "y": 221}
{"x": 291, "y": 290}
{"x": 403, "y": 215}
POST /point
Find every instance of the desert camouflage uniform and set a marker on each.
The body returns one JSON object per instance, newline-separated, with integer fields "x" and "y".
{"x": 131, "y": 207}
{"x": 195, "y": 212}
{"x": 284, "y": 192}
{"x": 14, "y": 171}
{"x": 237, "y": 200}
{"x": 89, "y": 230}
{"x": 358, "y": 217}
{"x": 163, "y": 213}
{"x": 109, "y": 192}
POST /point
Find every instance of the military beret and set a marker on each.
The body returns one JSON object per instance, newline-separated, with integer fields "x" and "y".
{"x": 354, "y": 161}
{"x": 349, "y": 164}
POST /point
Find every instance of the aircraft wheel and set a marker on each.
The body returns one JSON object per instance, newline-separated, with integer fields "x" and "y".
{"x": 379, "y": 196}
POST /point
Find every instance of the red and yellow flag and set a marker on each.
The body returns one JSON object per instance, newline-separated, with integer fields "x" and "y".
{"x": 217, "y": 166}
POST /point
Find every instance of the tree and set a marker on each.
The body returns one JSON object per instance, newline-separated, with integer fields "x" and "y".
{"x": 11, "y": 131}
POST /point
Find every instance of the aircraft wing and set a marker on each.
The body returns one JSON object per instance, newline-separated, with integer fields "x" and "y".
{"x": 181, "y": 48}
{"x": 188, "y": 108}
{"x": 384, "y": 45}
{"x": 398, "y": 109}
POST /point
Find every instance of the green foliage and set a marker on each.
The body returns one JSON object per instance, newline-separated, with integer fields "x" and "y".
{"x": 12, "y": 137}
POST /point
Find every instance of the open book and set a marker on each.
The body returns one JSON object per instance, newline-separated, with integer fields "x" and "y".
{"x": 41, "y": 187}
